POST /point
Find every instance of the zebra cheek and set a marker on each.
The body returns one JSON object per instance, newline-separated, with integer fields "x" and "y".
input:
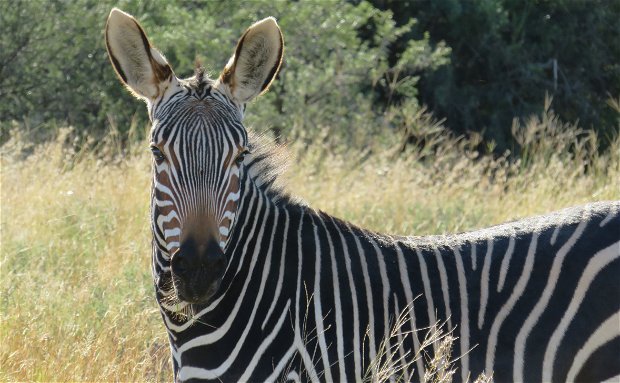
{"x": 227, "y": 221}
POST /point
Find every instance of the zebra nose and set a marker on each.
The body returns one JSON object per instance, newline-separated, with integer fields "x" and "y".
{"x": 179, "y": 264}
{"x": 192, "y": 257}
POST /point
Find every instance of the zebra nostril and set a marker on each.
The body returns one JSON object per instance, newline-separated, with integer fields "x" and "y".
{"x": 178, "y": 264}
{"x": 193, "y": 259}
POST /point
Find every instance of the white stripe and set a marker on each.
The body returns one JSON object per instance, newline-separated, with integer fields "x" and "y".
{"x": 280, "y": 271}
{"x": 404, "y": 278}
{"x": 595, "y": 265}
{"x": 338, "y": 304}
{"x": 161, "y": 219}
{"x": 163, "y": 188}
{"x": 293, "y": 376}
{"x": 403, "y": 362}
{"x": 464, "y": 315}
{"x": 162, "y": 203}
{"x": 318, "y": 309}
{"x": 242, "y": 227}
{"x": 252, "y": 230}
{"x": 160, "y": 241}
{"x": 614, "y": 379}
{"x": 280, "y": 366}
{"x": 510, "y": 303}
{"x": 174, "y": 308}
{"x": 233, "y": 196}
{"x": 473, "y": 256}
{"x": 445, "y": 288}
{"x": 175, "y": 354}
{"x": 484, "y": 284}
{"x": 356, "y": 320}
{"x": 300, "y": 336}
{"x": 609, "y": 217}
{"x": 386, "y": 294}
{"x": 299, "y": 267}
{"x": 540, "y": 306}
{"x": 161, "y": 168}
{"x": 172, "y": 233}
{"x": 428, "y": 295}
{"x": 554, "y": 236}
{"x": 372, "y": 349}
{"x": 224, "y": 231}
{"x": 505, "y": 264}
{"x": 172, "y": 245}
{"x": 308, "y": 367}
{"x": 170, "y": 325}
{"x": 158, "y": 262}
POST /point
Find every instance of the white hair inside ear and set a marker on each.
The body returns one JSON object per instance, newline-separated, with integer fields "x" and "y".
{"x": 141, "y": 67}
{"x": 256, "y": 61}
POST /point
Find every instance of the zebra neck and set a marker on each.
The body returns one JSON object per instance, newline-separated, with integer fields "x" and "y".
{"x": 257, "y": 212}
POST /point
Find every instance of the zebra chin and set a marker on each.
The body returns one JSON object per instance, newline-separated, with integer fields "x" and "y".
{"x": 195, "y": 293}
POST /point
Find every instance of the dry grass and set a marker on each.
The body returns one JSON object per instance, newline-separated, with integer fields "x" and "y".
{"x": 448, "y": 187}
{"x": 395, "y": 364}
{"x": 76, "y": 297}
{"x": 76, "y": 300}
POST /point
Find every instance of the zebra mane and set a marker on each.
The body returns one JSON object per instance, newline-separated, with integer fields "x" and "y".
{"x": 266, "y": 161}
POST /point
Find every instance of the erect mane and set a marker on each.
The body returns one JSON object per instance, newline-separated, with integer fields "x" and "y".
{"x": 266, "y": 161}
{"x": 200, "y": 79}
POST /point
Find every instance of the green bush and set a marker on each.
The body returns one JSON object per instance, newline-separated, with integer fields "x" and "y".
{"x": 354, "y": 72}
{"x": 53, "y": 63}
{"x": 503, "y": 57}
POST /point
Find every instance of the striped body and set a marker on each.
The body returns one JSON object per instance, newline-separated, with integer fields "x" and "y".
{"x": 309, "y": 297}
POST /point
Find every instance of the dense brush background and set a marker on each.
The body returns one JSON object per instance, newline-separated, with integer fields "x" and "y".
{"x": 403, "y": 117}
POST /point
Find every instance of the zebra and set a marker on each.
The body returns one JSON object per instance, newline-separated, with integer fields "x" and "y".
{"x": 254, "y": 285}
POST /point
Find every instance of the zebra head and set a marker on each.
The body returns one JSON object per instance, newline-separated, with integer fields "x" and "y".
{"x": 198, "y": 143}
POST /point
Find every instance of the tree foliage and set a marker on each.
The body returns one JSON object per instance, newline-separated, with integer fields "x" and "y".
{"x": 54, "y": 66}
{"x": 352, "y": 70}
{"x": 508, "y": 55}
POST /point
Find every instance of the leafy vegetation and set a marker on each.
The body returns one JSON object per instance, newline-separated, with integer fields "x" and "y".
{"x": 352, "y": 70}
{"x": 507, "y": 55}
{"x": 59, "y": 70}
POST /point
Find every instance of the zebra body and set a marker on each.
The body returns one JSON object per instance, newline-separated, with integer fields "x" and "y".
{"x": 256, "y": 286}
{"x": 310, "y": 297}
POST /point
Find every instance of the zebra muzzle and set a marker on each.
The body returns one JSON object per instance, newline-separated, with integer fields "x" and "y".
{"x": 197, "y": 270}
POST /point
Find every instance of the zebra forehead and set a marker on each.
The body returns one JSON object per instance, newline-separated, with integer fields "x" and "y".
{"x": 189, "y": 118}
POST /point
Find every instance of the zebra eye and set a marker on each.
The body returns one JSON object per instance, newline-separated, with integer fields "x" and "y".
{"x": 157, "y": 154}
{"x": 241, "y": 157}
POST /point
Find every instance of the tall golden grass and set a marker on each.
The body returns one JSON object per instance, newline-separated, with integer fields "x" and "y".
{"x": 76, "y": 300}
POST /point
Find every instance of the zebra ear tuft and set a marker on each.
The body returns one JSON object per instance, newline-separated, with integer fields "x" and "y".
{"x": 256, "y": 61}
{"x": 137, "y": 63}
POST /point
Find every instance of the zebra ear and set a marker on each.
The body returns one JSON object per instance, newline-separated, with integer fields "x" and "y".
{"x": 256, "y": 61}
{"x": 137, "y": 63}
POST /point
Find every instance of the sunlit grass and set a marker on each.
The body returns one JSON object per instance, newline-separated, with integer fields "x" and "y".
{"x": 449, "y": 187}
{"x": 76, "y": 299}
